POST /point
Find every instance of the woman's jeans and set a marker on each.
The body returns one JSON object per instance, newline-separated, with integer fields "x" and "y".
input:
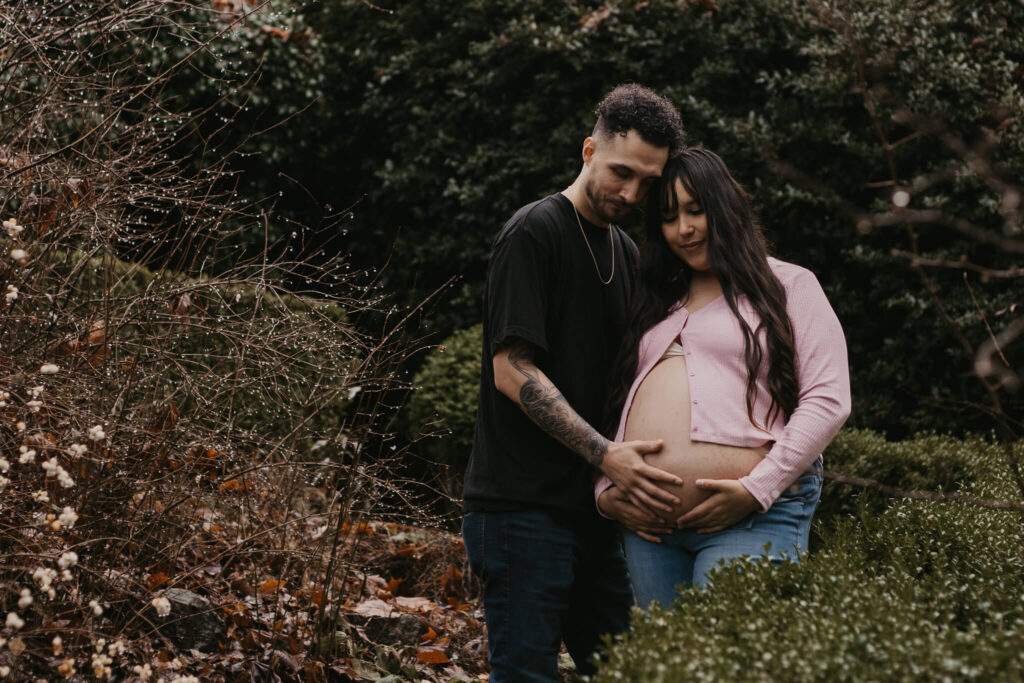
{"x": 546, "y": 580}
{"x": 685, "y": 557}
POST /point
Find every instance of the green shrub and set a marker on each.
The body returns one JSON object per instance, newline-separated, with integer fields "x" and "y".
{"x": 927, "y": 462}
{"x": 446, "y": 395}
{"x": 921, "y": 591}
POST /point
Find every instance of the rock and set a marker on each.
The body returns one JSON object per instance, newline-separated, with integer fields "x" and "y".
{"x": 193, "y": 622}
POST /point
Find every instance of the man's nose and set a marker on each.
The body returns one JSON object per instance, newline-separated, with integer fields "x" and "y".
{"x": 630, "y": 193}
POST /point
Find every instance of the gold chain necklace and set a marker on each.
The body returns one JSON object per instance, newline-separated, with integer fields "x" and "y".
{"x": 611, "y": 239}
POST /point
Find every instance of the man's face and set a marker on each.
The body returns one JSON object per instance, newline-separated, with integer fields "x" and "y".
{"x": 620, "y": 170}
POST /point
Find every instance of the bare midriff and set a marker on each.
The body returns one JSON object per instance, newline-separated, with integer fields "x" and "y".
{"x": 661, "y": 410}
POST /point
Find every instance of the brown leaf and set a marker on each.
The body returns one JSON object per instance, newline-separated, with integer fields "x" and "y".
{"x": 156, "y": 580}
{"x": 432, "y": 656}
{"x": 271, "y": 586}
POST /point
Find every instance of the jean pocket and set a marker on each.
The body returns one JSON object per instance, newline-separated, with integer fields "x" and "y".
{"x": 806, "y": 489}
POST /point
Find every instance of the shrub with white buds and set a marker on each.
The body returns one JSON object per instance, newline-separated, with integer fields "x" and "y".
{"x": 5, "y": 466}
{"x": 58, "y": 645}
{"x": 162, "y": 606}
{"x": 101, "y": 665}
{"x": 116, "y": 648}
{"x": 79, "y": 449}
{"x": 96, "y": 433}
{"x": 14, "y": 621}
{"x": 97, "y": 610}
{"x": 68, "y": 517}
{"x": 27, "y": 455}
{"x": 44, "y": 576}
{"x": 49, "y": 369}
{"x": 12, "y": 228}
{"x": 64, "y": 478}
{"x": 143, "y": 671}
{"x": 12, "y": 294}
{"x": 34, "y": 405}
{"x": 19, "y": 254}
{"x": 67, "y": 668}
{"x": 26, "y": 598}
{"x": 50, "y": 466}
{"x": 37, "y": 391}
{"x": 67, "y": 560}
{"x": 4, "y": 481}
{"x": 21, "y": 426}
{"x": 41, "y": 496}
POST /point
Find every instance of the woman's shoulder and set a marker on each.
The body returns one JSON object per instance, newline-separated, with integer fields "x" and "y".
{"x": 792, "y": 275}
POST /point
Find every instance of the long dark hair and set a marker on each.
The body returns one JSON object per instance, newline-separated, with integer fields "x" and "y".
{"x": 739, "y": 259}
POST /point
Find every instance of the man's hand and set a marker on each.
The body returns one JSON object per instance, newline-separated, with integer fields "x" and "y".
{"x": 624, "y": 464}
{"x": 614, "y": 503}
{"x": 729, "y": 503}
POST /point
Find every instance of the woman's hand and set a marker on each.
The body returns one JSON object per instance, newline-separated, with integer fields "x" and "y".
{"x": 729, "y": 503}
{"x": 641, "y": 521}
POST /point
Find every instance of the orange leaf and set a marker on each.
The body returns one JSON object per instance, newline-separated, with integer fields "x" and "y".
{"x": 234, "y": 485}
{"x": 431, "y": 656}
{"x": 430, "y": 635}
{"x": 393, "y": 585}
{"x": 317, "y": 596}
{"x": 156, "y": 580}
{"x": 271, "y": 586}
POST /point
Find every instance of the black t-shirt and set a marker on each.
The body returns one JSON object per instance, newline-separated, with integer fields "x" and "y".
{"x": 542, "y": 286}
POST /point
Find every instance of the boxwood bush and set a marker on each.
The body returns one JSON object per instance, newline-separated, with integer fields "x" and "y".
{"x": 917, "y": 591}
{"x": 446, "y": 395}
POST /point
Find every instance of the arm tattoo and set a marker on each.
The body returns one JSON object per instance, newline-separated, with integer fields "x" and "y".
{"x": 544, "y": 404}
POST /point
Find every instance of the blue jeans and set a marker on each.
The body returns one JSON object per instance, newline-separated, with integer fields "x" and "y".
{"x": 685, "y": 557}
{"x": 546, "y": 580}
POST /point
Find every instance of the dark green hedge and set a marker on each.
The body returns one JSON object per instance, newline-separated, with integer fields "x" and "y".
{"x": 918, "y": 591}
{"x": 445, "y": 117}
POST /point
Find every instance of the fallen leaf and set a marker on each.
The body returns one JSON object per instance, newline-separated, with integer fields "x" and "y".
{"x": 271, "y": 586}
{"x": 432, "y": 656}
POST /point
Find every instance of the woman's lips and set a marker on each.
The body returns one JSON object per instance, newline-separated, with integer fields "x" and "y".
{"x": 693, "y": 246}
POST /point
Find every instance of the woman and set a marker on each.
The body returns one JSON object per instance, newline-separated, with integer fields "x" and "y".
{"x": 737, "y": 361}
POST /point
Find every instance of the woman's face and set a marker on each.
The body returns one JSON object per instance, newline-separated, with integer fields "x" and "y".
{"x": 687, "y": 232}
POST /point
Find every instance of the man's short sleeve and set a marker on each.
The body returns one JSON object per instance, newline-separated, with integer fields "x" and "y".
{"x": 518, "y": 288}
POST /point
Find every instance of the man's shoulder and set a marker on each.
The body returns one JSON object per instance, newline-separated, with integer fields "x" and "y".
{"x": 542, "y": 220}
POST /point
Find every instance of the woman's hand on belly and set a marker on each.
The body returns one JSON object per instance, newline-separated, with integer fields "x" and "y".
{"x": 614, "y": 503}
{"x": 728, "y": 504}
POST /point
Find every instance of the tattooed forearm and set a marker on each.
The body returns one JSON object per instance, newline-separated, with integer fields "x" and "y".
{"x": 544, "y": 404}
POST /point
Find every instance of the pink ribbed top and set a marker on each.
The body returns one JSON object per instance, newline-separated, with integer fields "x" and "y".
{"x": 713, "y": 344}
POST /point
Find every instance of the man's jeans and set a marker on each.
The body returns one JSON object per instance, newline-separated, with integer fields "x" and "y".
{"x": 686, "y": 557}
{"x": 546, "y": 580}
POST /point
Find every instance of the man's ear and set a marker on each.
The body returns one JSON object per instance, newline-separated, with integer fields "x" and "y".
{"x": 589, "y": 147}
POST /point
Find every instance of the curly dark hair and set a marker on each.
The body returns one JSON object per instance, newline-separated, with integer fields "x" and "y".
{"x": 633, "y": 107}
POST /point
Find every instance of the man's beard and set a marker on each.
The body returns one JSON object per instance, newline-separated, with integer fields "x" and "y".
{"x": 598, "y": 206}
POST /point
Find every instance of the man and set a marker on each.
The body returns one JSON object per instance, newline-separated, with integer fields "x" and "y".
{"x": 554, "y": 311}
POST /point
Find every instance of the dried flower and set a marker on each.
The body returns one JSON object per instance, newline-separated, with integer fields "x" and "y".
{"x": 67, "y": 667}
{"x": 19, "y": 255}
{"x": 5, "y": 466}
{"x": 79, "y": 449}
{"x": 14, "y": 621}
{"x": 12, "y": 294}
{"x": 41, "y": 496}
{"x": 68, "y": 517}
{"x": 49, "y": 369}
{"x": 12, "y": 228}
{"x": 51, "y": 466}
{"x": 21, "y": 425}
{"x": 97, "y": 610}
{"x": 144, "y": 671}
{"x": 162, "y": 606}
{"x": 27, "y": 455}
{"x": 26, "y": 598}
{"x": 58, "y": 645}
{"x": 67, "y": 560}
{"x": 96, "y": 433}
{"x": 34, "y": 405}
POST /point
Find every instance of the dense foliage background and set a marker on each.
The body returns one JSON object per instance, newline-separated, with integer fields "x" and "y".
{"x": 433, "y": 121}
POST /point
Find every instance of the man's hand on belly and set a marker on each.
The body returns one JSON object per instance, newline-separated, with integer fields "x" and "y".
{"x": 730, "y": 502}
{"x": 614, "y": 503}
{"x": 624, "y": 464}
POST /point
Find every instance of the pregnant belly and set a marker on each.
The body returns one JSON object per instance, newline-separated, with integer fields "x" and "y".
{"x": 661, "y": 410}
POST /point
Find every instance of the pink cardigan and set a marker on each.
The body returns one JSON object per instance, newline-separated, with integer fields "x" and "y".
{"x": 713, "y": 343}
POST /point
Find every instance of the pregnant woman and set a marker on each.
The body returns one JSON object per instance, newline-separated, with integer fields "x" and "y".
{"x": 738, "y": 362}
